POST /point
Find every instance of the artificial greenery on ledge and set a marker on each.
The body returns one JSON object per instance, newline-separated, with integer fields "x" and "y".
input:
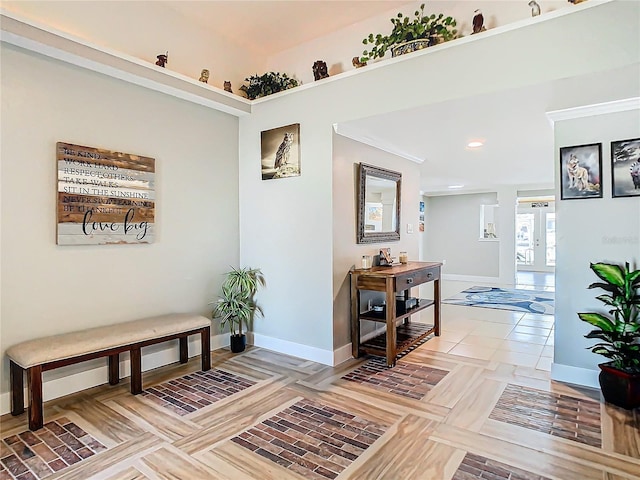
{"x": 267, "y": 84}
{"x": 436, "y": 28}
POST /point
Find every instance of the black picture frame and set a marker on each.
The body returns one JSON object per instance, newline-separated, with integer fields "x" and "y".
{"x": 581, "y": 171}
{"x": 625, "y": 168}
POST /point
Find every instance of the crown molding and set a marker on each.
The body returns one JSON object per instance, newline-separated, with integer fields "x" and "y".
{"x": 363, "y": 137}
{"x": 596, "y": 109}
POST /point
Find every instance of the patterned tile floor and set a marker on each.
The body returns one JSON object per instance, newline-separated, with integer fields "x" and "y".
{"x": 32, "y": 455}
{"x": 557, "y": 415}
{"x": 195, "y": 391}
{"x": 474, "y": 467}
{"x": 312, "y": 439}
{"x": 406, "y": 379}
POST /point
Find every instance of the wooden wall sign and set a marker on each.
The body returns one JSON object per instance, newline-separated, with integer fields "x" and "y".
{"x": 104, "y": 197}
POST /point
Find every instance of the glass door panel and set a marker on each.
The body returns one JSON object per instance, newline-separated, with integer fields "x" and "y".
{"x": 550, "y": 237}
{"x": 536, "y": 238}
{"x": 525, "y": 234}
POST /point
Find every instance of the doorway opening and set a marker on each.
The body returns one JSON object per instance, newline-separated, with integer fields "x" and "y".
{"x": 536, "y": 239}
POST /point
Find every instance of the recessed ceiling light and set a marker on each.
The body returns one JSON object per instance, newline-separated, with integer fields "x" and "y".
{"x": 455, "y": 186}
{"x": 475, "y": 144}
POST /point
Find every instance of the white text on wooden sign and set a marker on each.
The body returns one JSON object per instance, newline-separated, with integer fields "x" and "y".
{"x": 104, "y": 197}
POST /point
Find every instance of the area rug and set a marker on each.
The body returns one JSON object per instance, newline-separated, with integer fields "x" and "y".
{"x": 531, "y": 301}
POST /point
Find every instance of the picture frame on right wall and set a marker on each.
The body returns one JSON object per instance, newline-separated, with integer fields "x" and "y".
{"x": 581, "y": 171}
{"x": 625, "y": 168}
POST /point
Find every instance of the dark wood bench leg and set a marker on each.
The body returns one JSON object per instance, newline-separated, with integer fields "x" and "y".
{"x": 184, "y": 349}
{"x": 136, "y": 371}
{"x": 114, "y": 369}
{"x": 16, "y": 374}
{"x": 34, "y": 378}
{"x": 205, "y": 339}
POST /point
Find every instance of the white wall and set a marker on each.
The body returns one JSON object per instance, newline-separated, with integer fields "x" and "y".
{"x": 590, "y": 230}
{"x": 338, "y": 48}
{"x": 49, "y": 289}
{"x": 287, "y": 225}
{"x": 346, "y": 252}
{"x": 145, "y": 30}
{"x": 452, "y": 232}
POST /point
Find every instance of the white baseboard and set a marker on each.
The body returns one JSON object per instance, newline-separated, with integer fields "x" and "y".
{"x": 470, "y": 278}
{"x": 57, "y": 386}
{"x": 326, "y": 357}
{"x": 342, "y": 354}
{"x": 575, "y": 375}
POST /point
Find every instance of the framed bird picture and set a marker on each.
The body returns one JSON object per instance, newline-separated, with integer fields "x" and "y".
{"x": 280, "y": 148}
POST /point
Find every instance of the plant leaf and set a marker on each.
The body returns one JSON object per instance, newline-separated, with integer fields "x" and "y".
{"x": 605, "y": 286}
{"x": 634, "y": 278}
{"x": 597, "y": 320}
{"x": 610, "y": 273}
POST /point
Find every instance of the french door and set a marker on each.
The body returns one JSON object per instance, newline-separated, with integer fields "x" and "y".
{"x": 536, "y": 238}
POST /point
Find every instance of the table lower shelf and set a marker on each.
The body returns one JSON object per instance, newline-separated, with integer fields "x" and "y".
{"x": 407, "y": 335}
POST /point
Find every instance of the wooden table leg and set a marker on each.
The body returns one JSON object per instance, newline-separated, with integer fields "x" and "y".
{"x": 34, "y": 379}
{"x": 391, "y": 324}
{"x": 436, "y": 308}
{"x": 205, "y": 340}
{"x": 355, "y": 317}
{"x": 114, "y": 369}
{"x": 16, "y": 375}
{"x": 136, "y": 371}
{"x": 184, "y": 349}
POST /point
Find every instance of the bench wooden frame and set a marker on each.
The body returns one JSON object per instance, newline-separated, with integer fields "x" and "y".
{"x": 34, "y": 373}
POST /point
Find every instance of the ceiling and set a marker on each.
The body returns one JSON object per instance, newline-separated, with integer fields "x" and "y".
{"x": 518, "y": 143}
{"x": 261, "y": 29}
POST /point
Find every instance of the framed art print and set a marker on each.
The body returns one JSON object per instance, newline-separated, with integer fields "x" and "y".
{"x": 581, "y": 171}
{"x": 280, "y": 148}
{"x": 625, "y": 168}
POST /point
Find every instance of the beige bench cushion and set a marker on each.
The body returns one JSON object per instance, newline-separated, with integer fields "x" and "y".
{"x": 68, "y": 345}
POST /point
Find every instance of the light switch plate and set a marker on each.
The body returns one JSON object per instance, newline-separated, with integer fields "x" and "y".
{"x": 409, "y": 227}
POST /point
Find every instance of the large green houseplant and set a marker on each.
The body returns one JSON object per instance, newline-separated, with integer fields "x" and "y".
{"x": 236, "y": 304}
{"x": 618, "y": 333}
{"x": 267, "y": 84}
{"x": 431, "y": 29}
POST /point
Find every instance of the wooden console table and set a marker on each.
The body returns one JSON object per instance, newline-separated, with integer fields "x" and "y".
{"x": 394, "y": 280}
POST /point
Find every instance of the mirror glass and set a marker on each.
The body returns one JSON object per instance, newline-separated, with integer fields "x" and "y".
{"x": 378, "y": 205}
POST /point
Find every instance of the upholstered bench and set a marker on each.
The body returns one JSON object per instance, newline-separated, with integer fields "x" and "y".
{"x": 47, "y": 353}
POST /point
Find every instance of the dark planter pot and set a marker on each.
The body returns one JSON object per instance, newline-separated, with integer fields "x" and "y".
{"x": 238, "y": 343}
{"x": 619, "y": 387}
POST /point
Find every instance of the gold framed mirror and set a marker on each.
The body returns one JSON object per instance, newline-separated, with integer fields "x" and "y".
{"x": 378, "y": 204}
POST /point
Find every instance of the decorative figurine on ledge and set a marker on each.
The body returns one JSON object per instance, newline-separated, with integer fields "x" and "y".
{"x": 204, "y": 75}
{"x": 357, "y": 63}
{"x": 227, "y": 86}
{"x": 575, "y": 2}
{"x": 162, "y": 59}
{"x": 478, "y": 22}
{"x": 535, "y": 8}
{"x": 320, "y": 70}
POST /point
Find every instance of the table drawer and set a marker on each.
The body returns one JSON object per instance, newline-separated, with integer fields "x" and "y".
{"x": 413, "y": 279}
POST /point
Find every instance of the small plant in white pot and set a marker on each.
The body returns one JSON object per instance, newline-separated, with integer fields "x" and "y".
{"x": 236, "y": 304}
{"x": 618, "y": 333}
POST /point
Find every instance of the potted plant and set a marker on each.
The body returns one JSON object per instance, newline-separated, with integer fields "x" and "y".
{"x": 237, "y": 305}
{"x": 267, "y": 83}
{"x": 410, "y": 35}
{"x": 618, "y": 332}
